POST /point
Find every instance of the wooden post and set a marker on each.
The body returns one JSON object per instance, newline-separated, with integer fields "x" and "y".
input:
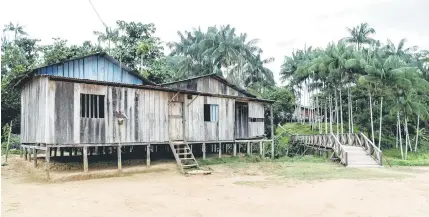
{"x": 62, "y": 152}
{"x": 220, "y": 150}
{"x": 235, "y": 149}
{"x": 148, "y": 155}
{"x": 25, "y": 153}
{"x": 70, "y": 152}
{"x": 55, "y": 152}
{"x": 48, "y": 154}
{"x": 249, "y": 152}
{"x": 29, "y": 153}
{"x": 35, "y": 157}
{"x": 75, "y": 151}
{"x": 260, "y": 149}
{"x": 20, "y": 152}
{"x": 85, "y": 159}
{"x": 204, "y": 151}
{"x": 119, "y": 151}
{"x": 272, "y": 131}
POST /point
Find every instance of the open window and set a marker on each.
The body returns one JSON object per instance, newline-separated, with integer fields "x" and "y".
{"x": 211, "y": 112}
{"x": 91, "y": 106}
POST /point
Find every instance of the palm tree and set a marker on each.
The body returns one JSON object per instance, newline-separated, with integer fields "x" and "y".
{"x": 16, "y": 29}
{"x": 360, "y": 35}
{"x": 403, "y": 54}
{"x": 109, "y": 35}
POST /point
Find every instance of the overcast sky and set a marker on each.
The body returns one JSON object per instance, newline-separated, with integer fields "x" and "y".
{"x": 281, "y": 25}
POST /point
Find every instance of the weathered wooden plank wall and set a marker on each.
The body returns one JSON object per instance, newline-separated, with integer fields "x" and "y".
{"x": 199, "y": 130}
{"x": 207, "y": 85}
{"x": 256, "y": 110}
{"x": 33, "y": 110}
{"x": 51, "y": 113}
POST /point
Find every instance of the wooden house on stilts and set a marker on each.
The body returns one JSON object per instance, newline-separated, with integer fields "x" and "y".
{"x": 96, "y": 106}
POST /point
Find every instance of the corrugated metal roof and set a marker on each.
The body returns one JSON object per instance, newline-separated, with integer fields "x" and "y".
{"x": 97, "y": 66}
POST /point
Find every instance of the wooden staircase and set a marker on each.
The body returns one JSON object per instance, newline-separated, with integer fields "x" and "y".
{"x": 184, "y": 157}
{"x": 358, "y": 157}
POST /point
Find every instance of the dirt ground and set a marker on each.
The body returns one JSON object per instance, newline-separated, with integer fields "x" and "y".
{"x": 243, "y": 190}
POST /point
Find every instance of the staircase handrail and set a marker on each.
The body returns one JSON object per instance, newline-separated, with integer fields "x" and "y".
{"x": 372, "y": 150}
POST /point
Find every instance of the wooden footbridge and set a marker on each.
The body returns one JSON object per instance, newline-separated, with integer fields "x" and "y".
{"x": 352, "y": 149}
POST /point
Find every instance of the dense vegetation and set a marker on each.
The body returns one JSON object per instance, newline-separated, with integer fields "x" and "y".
{"x": 218, "y": 50}
{"x": 378, "y": 88}
{"x": 383, "y": 89}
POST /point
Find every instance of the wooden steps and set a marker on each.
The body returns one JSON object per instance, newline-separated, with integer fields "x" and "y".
{"x": 184, "y": 157}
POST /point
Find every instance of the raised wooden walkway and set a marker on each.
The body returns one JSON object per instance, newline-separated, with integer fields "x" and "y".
{"x": 352, "y": 149}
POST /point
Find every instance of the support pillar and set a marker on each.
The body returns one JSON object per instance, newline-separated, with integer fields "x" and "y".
{"x": 272, "y": 131}
{"x": 235, "y": 149}
{"x": 204, "y": 151}
{"x": 260, "y": 149}
{"x": 70, "y": 152}
{"x": 20, "y": 152}
{"x": 85, "y": 159}
{"x": 35, "y": 157}
{"x": 75, "y": 151}
{"x": 119, "y": 152}
{"x": 55, "y": 151}
{"x": 148, "y": 155}
{"x": 29, "y": 154}
{"x": 62, "y": 152}
{"x": 249, "y": 151}
{"x": 25, "y": 153}
{"x": 47, "y": 156}
{"x": 220, "y": 150}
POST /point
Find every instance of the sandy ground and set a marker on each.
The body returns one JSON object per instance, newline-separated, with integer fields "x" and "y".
{"x": 225, "y": 193}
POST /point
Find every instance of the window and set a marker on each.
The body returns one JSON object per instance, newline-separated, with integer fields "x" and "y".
{"x": 91, "y": 106}
{"x": 211, "y": 112}
{"x": 256, "y": 119}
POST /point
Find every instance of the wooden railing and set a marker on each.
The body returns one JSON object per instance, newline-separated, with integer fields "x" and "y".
{"x": 339, "y": 150}
{"x": 326, "y": 141}
{"x": 371, "y": 149}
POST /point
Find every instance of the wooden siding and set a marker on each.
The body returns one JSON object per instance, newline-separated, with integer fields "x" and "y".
{"x": 199, "y": 130}
{"x": 94, "y": 67}
{"x": 146, "y": 111}
{"x": 51, "y": 113}
{"x": 206, "y": 85}
{"x": 256, "y": 110}
{"x": 33, "y": 110}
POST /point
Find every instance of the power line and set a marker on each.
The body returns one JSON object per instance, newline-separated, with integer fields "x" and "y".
{"x": 98, "y": 15}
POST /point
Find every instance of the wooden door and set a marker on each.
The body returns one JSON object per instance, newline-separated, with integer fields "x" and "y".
{"x": 175, "y": 117}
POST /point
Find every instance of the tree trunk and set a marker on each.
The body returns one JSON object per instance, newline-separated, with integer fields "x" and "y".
{"x": 336, "y": 112}
{"x": 397, "y": 135}
{"x": 330, "y": 114}
{"x": 372, "y": 122}
{"x": 400, "y": 134}
{"x": 406, "y": 137}
{"x": 349, "y": 110}
{"x": 341, "y": 112}
{"x": 381, "y": 119}
{"x": 326, "y": 116}
{"x": 417, "y": 133}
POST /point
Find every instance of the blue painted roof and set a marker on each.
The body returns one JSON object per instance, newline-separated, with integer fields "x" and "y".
{"x": 98, "y": 66}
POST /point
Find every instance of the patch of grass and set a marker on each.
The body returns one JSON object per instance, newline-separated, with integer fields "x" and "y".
{"x": 393, "y": 156}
